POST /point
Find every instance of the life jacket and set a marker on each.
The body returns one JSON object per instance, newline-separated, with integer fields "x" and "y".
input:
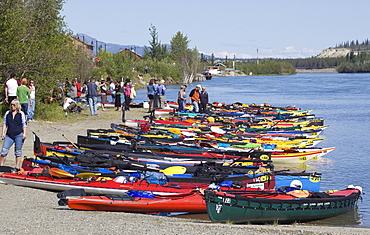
{"x": 195, "y": 96}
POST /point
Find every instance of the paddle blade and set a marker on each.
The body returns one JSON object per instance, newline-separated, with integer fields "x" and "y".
{"x": 59, "y": 173}
{"x": 175, "y": 131}
{"x": 174, "y": 170}
{"x": 87, "y": 175}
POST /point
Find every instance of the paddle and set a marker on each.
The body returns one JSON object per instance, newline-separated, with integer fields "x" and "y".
{"x": 174, "y": 170}
{"x": 70, "y": 141}
{"x": 87, "y": 175}
{"x": 60, "y": 173}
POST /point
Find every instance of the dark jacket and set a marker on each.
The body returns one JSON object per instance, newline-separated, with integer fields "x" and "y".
{"x": 91, "y": 89}
{"x": 204, "y": 97}
{"x": 14, "y": 125}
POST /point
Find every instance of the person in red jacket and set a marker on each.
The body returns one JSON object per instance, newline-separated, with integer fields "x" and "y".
{"x": 79, "y": 91}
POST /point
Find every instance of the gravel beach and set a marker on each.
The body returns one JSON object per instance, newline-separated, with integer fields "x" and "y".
{"x": 33, "y": 211}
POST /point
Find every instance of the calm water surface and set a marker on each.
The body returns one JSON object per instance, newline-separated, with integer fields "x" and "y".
{"x": 343, "y": 100}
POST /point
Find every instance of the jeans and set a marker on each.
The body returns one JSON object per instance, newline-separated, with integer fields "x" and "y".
{"x": 93, "y": 105}
{"x": 110, "y": 98}
{"x": 9, "y": 141}
{"x": 196, "y": 107}
{"x": 24, "y": 107}
{"x": 31, "y": 110}
{"x": 182, "y": 104}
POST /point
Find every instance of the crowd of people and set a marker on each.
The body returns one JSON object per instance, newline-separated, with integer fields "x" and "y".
{"x": 21, "y": 94}
{"x": 120, "y": 92}
{"x": 24, "y": 92}
{"x": 156, "y": 91}
{"x": 198, "y": 99}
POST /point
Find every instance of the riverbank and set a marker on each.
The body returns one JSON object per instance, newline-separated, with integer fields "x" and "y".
{"x": 26, "y": 210}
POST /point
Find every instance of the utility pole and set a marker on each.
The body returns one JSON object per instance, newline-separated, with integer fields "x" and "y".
{"x": 234, "y": 63}
{"x": 257, "y": 57}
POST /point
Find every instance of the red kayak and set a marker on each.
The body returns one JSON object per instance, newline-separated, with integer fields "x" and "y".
{"x": 92, "y": 187}
{"x": 192, "y": 203}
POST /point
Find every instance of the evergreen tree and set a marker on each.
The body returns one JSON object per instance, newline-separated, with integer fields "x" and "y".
{"x": 212, "y": 59}
{"x": 156, "y": 51}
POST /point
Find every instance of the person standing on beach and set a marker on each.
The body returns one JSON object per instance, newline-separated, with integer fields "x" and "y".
{"x": 24, "y": 96}
{"x": 117, "y": 92}
{"x": 150, "y": 94}
{"x": 11, "y": 88}
{"x": 155, "y": 85}
{"x": 195, "y": 98}
{"x": 92, "y": 97}
{"x": 103, "y": 93}
{"x": 181, "y": 100}
{"x": 127, "y": 93}
{"x": 13, "y": 131}
{"x": 79, "y": 90}
{"x": 112, "y": 92}
{"x": 73, "y": 91}
{"x": 31, "y": 105}
{"x": 161, "y": 91}
{"x": 203, "y": 100}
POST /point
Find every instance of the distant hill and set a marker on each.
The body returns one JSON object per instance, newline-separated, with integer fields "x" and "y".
{"x": 335, "y": 52}
{"x": 110, "y": 47}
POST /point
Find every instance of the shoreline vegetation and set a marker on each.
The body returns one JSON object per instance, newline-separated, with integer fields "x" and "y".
{"x": 34, "y": 210}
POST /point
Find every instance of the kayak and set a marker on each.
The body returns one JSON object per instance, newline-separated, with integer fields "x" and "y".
{"x": 192, "y": 203}
{"x": 119, "y": 186}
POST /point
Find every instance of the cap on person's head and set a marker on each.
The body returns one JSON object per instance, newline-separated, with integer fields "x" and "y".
{"x": 155, "y": 79}
{"x": 162, "y": 81}
{"x": 199, "y": 86}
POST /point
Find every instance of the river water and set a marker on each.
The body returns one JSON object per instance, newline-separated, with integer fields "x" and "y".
{"x": 343, "y": 100}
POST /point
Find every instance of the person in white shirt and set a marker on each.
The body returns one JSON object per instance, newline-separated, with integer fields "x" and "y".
{"x": 11, "y": 88}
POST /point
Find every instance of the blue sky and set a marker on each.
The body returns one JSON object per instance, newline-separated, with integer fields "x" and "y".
{"x": 279, "y": 29}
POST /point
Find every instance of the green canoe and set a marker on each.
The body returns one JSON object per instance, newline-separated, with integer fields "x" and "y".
{"x": 278, "y": 208}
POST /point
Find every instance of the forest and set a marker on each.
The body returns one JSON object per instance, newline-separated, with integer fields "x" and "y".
{"x": 357, "y": 61}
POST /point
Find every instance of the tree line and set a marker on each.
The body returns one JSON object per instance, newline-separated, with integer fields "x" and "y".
{"x": 179, "y": 63}
{"x": 355, "y": 45}
{"x": 36, "y": 44}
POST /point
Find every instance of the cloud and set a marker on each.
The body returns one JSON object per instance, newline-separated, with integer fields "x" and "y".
{"x": 282, "y": 53}
{"x": 229, "y": 55}
{"x": 290, "y": 49}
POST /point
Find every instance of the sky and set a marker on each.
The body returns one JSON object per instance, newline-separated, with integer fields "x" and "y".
{"x": 240, "y": 28}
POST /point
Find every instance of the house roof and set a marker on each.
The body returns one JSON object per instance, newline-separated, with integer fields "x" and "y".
{"x": 220, "y": 64}
{"x": 129, "y": 51}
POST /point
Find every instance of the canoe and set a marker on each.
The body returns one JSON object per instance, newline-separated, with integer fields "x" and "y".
{"x": 192, "y": 203}
{"x": 279, "y": 208}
